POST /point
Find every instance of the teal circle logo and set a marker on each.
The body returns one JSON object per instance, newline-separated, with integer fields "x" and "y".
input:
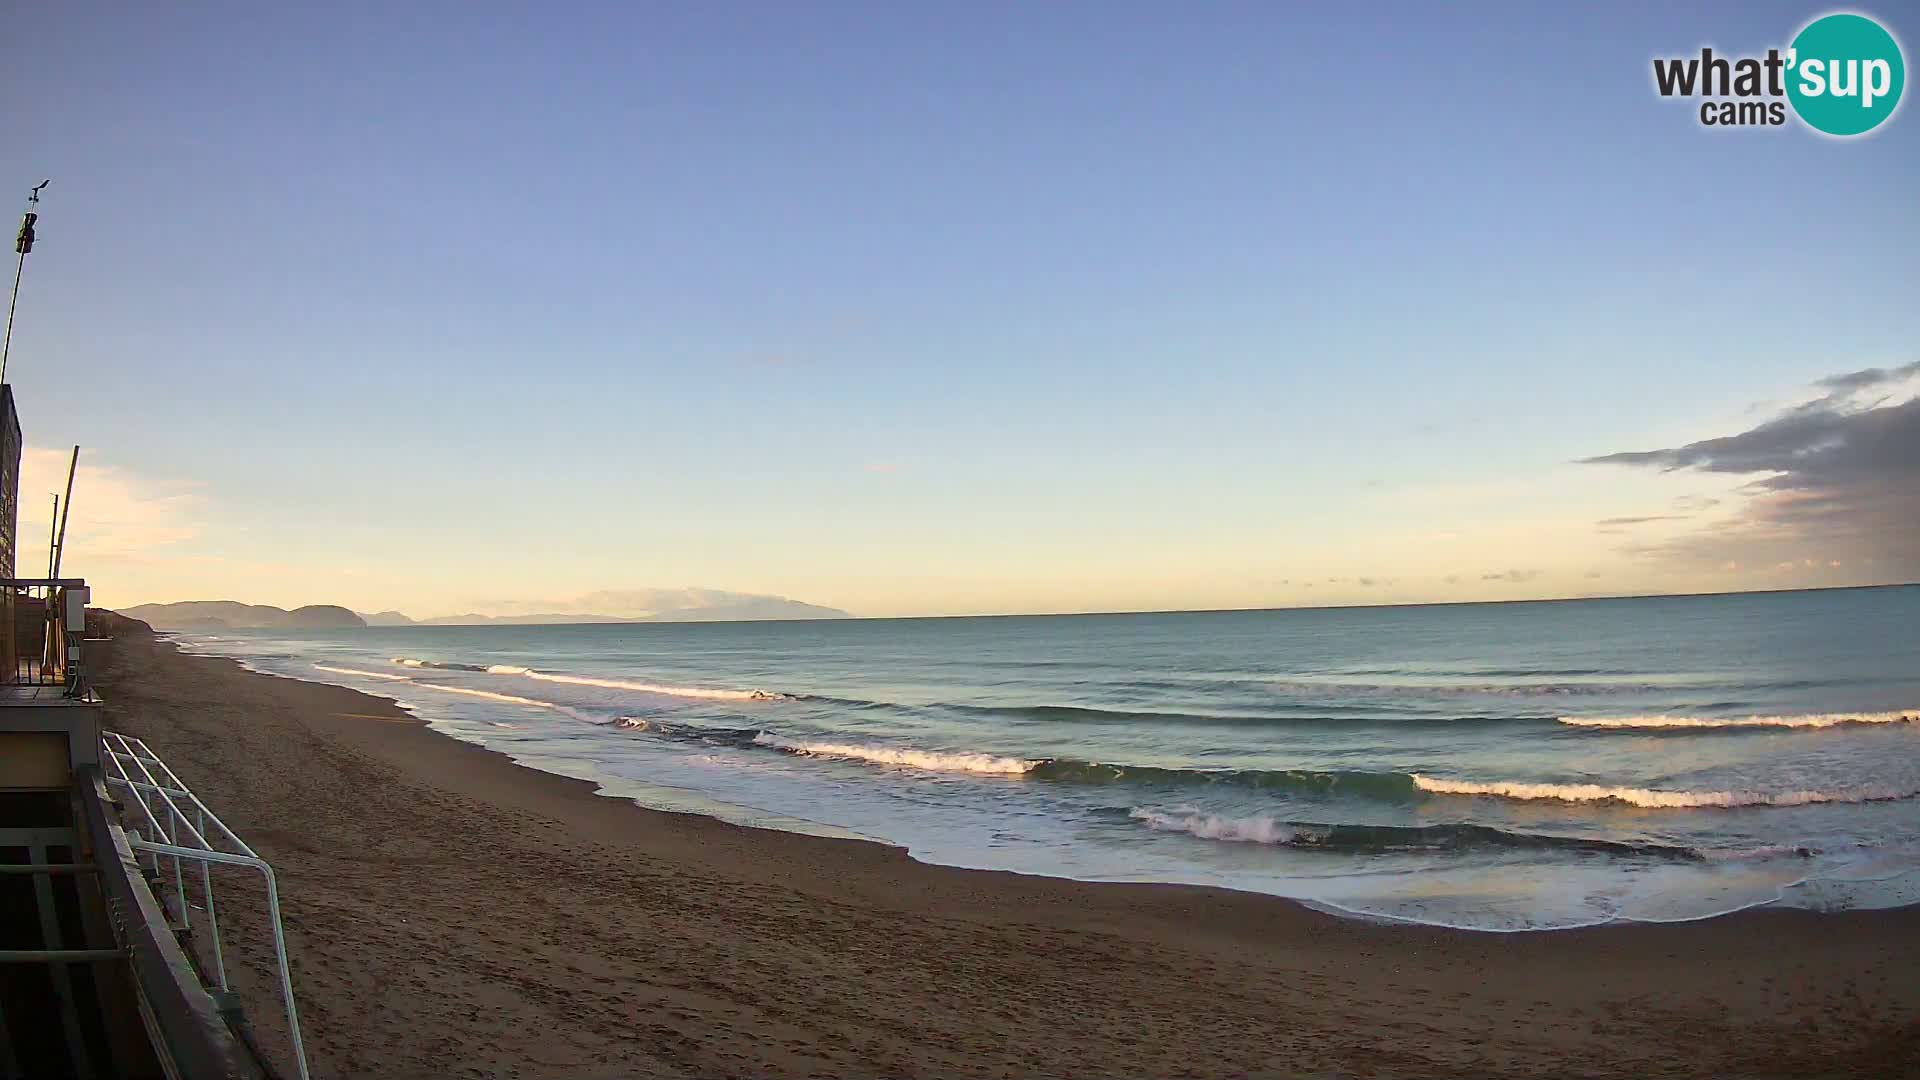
{"x": 1845, "y": 74}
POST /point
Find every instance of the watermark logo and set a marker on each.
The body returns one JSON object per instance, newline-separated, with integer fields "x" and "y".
{"x": 1842, "y": 75}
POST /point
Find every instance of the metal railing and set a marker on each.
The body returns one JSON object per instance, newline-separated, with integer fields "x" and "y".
{"x": 42, "y": 621}
{"x": 184, "y": 826}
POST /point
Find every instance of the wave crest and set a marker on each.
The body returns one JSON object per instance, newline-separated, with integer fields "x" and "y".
{"x": 651, "y": 688}
{"x": 585, "y": 680}
{"x": 439, "y": 665}
{"x": 1378, "y": 839}
{"x": 1648, "y": 797}
{"x": 930, "y": 760}
{"x": 1808, "y": 720}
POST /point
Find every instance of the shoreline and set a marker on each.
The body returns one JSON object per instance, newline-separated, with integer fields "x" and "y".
{"x": 797, "y": 954}
{"x": 742, "y": 815}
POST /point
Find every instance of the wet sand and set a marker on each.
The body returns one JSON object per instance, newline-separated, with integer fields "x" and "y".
{"x": 453, "y": 914}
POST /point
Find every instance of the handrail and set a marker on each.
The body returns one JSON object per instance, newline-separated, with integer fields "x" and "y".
{"x": 183, "y": 839}
{"x": 183, "y": 1019}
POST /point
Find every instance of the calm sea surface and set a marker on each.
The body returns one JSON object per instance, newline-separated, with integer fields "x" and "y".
{"x": 1495, "y": 766}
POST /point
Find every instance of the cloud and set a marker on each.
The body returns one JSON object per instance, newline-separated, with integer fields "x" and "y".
{"x": 1619, "y": 522}
{"x": 1836, "y": 479}
{"x": 116, "y": 515}
{"x": 1514, "y": 576}
{"x": 1694, "y": 504}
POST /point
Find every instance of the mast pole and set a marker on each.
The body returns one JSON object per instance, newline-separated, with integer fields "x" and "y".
{"x": 60, "y": 545}
{"x": 22, "y": 244}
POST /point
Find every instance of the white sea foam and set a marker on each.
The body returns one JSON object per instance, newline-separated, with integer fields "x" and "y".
{"x": 930, "y": 760}
{"x": 1758, "y": 854}
{"x": 647, "y": 688}
{"x": 363, "y": 674}
{"x": 1648, "y": 797}
{"x": 1250, "y": 830}
{"x": 607, "y": 684}
{"x": 1809, "y": 720}
{"x": 510, "y": 699}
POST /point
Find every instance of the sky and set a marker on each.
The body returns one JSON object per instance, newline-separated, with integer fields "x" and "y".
{"x": 950, "y": 308}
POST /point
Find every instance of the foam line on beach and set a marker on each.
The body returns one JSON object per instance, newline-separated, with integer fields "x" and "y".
{"x": 1677, "y": 723}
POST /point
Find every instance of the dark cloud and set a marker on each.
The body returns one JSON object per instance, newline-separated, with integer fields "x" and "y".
{"x": 1515, "y": 576}
{"x": 1815, "y": 444}
{"x": 1837, "y": 479}
{"x": 1867, "y": 378}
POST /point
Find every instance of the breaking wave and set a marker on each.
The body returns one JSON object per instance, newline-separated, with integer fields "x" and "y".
{"x": 1681, "y": 723}
{"x": 930, "y": 760}
{"x": 442, "y": 665}
{"x": 510, "y": 699}
{"x": 1380, "y": 839}
{"x": 1647, "y": 797}
{"x": 653, "y": 688}
{"x": 1356, "y": 715}
{"x": 583, "y": 680}
{"x": 1395, "y": 787}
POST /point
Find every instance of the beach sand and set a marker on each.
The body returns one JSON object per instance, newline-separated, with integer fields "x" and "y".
{"x": 453, "y": 914}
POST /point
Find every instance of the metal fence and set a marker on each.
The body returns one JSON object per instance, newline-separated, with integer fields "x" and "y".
{"x": 185, "y": 831}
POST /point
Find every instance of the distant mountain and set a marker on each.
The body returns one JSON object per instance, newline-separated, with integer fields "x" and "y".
{"x": 231, "y": 615}
{"x": 472, "y": 619}
{"x": 611, "y": 606}
{"x": 323, "y": 617}
{"x": 756, "y": 608}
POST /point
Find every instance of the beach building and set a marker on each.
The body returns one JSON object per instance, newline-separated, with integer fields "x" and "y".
{"x": 111, "y": 963}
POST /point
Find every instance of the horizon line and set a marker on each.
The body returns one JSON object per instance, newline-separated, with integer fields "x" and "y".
{"x": 614, "y": 620}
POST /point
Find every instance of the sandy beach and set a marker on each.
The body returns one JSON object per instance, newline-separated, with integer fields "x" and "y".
{"x": 453, "y": 914}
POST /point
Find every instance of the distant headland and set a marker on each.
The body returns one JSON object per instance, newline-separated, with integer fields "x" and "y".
{"x": 689, "y": 605}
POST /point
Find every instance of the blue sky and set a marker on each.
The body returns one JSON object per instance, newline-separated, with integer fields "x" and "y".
{"x": 917, "y": 309}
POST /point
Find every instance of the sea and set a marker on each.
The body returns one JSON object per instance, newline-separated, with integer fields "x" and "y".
{"x": 1499, "y": 767}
